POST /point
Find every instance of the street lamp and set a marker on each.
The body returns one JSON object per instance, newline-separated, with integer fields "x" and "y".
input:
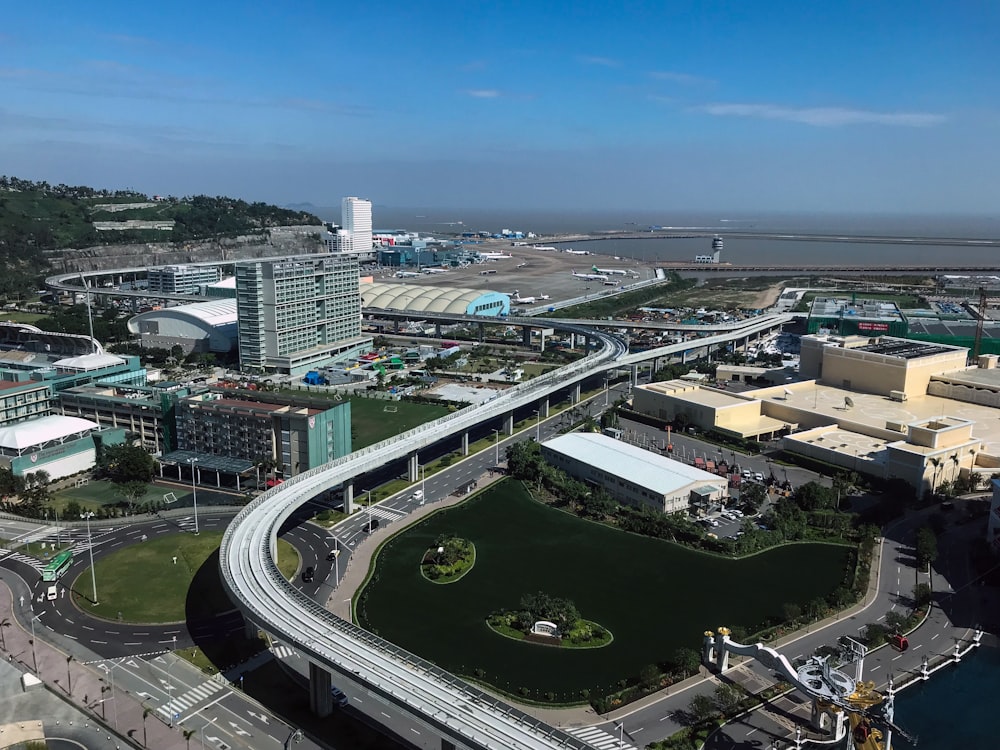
{"x": 538, "y": 425}
{"x": 498, "y": 447}
{"x": 34, "y": 659}
{"x": 194, "y": 490}
{"x": 369, "y": 511}
{"x": 90, "y": 543}
{"x": 423, "y": 487}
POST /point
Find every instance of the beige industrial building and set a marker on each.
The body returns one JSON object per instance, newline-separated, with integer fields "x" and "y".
{"x": 887, "y": 407}
{"x": 633, "y": 475}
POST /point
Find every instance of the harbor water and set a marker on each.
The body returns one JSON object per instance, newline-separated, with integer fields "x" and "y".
{"x": 954, "y": 708}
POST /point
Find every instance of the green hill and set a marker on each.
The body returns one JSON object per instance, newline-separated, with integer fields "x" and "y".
{"x": 37, "y": 218}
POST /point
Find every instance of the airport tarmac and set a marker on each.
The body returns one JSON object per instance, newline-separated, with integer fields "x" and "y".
{"x": 531, "y": 272}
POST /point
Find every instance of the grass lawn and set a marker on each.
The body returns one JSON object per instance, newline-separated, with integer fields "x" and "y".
{"x": 187, "y": 590}
{"x": 17, "y": 316}
{"x": 100, "y": 492}
{"x": 654, "y": 596}
{"x": 370, "y": 422}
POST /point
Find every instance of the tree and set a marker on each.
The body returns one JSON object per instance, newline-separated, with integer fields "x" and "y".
{"x": 649, "y": 676}
{"x": 752, "y": 496}
{"x": 686, "y": 660}
{"x": 702, "y": 708}
{"x": 926, "y": 547}
{"x": 133, "y": 492}
{"x": 791, "y": 612}
{"x": 922, "y": 594}
{"x": 727, "y": 698}
{"x": 188, "y": 734}
{"x": 126, "y": 463}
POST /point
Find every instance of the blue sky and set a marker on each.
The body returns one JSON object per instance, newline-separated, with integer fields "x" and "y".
{"x": 779, "y": 106}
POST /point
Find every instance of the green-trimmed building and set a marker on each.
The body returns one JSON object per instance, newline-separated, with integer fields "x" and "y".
{"x": 854, "y": 317}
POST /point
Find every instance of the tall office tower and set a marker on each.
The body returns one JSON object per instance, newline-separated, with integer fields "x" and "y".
{"x": 299, "y": 313}
{"x": 356, "y": 216}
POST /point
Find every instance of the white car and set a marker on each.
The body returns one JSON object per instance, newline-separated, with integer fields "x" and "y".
{"x": 418, "y": 495}
{"x": 758, "y": 477}
{"x": 51, "y": 593}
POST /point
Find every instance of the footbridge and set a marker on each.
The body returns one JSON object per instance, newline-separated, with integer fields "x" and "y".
{"x": 459, "y": 714}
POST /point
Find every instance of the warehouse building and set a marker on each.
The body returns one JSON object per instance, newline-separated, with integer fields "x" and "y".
{"x": 632, "y": 475}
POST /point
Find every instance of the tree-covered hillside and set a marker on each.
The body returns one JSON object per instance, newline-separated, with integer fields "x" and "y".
{"x": 37, "y": 218}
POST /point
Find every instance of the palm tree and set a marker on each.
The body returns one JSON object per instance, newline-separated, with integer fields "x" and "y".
{"x": 936, "y": 463}
{"x": 187, "y": 737}
{"x": 146, "y": 711}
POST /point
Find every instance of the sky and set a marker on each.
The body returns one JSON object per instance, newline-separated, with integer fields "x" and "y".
{"x": 867, "y": 107}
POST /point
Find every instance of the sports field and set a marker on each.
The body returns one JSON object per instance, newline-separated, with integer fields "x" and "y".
{"x": 374, "y": 419}
{"x": 652, "y": 595}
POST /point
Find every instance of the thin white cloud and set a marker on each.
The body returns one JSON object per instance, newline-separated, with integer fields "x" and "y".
{"x": 684, "y": 79}
{"x": 483, "y": 93}
{"x": 829, "y": 117}
{"x": 472, "y": 66}
{"x": 606, "y": 62}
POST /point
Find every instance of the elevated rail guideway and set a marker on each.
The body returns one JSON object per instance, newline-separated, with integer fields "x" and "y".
{"x": 459, "y": 713}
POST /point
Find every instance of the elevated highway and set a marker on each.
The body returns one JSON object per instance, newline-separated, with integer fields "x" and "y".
{"x": 458, "y": 713}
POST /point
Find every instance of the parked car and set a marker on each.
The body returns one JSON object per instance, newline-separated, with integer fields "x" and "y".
{"x": 308, "y": 574}
{"x": 758, "y": 477}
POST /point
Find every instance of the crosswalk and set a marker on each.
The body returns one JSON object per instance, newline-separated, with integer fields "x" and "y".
{"x": 600, "y": 739}
{"x": 383, "y": 514}
{"x": 179, "y": 705}
{"x": 34, "y": 562}
{"x": 281, "y": 651}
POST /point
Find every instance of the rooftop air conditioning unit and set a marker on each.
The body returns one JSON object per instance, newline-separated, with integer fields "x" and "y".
{"x": 897, "y": 395}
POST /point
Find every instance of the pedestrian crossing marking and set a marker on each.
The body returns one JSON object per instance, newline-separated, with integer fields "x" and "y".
{"x": 192, "y": 697}
{"x": 282, "y": 651}
{"x": 600, "y": 739}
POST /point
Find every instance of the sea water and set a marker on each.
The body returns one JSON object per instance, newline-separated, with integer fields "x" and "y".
{"x": 954, "y": 708}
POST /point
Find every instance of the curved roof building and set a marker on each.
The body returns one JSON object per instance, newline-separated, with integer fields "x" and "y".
{"x": 203, "y": 326}
{"x": 414, "y": 298}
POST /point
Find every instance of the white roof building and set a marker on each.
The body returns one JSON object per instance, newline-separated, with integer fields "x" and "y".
{"x": 38, "y": 433}
{"x": 630, "y": 474}
{"x": 202, "y": 326}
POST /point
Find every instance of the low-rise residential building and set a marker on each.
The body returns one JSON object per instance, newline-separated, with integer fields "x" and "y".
{"x": 632, "y": 475}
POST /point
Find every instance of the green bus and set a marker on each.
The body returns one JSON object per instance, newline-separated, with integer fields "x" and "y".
{"x": 59, "y": 565}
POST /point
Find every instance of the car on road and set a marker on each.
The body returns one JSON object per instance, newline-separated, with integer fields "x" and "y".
{"x": 338, "y": 696}
{"x": 418, "y": 495}
{"x": 51, "y": 593}
{"x": 308, "y": 574}
{"x": 758, "y": 477}
{"x": 332, "y": 555}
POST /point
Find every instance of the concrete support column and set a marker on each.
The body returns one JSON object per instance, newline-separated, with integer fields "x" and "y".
{"x": 587, "y": 344}
{"x": 437, "y": 330}
{"x": 508, "y": 424}
{"x": 395, "y": 326}
{"x": 414, "y": 467}
{"x": 237, "y": 482}
{"x": 684, "y": 357}
{"x": 721, "y": 652}
{"x": 707, "y": 647}
{"x": 526, "y": 337}
{"x": 482, "y": 332}
{"x": 541, "y": 340}
{"x": 634, "y": 375}
{"x": 320, "y": 697}
{"x": 465, "y": 443}
{"x": 544, "y": 408}
{"x": 349, "y": 497}
{"x": 575, "y": 394}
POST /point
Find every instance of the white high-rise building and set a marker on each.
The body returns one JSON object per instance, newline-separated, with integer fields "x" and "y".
{"x": 299, "y": 313}
{"x": 356, "y": 217}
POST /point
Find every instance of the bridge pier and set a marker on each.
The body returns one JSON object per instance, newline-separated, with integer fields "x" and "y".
{"x": 465, "y": 443}
{"x": 721, "y": 652}
{"x": 320, "y": 697}
{"x": 482, "y": 332}
{"x": 541, "y": 340}
{"x": 634, "y": 375}
{"x": 395, "y": 326}
{"x": 437, "y": 330}
{"x": 526, "y": 337}
{"x": 413, "y": 467}
{"x": 543, "y": 408}
{"x": 349, "y": 497}
{"x": 574, "y": 395}
{"x": 508, "y": 424}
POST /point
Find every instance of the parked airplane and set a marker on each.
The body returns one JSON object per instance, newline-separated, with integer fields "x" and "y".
{"x": 406, "y": 274}
{"x": 517, "y": 299}
{"x": 543, "y": 296}
{"x": 590, "y": 276}
{"x": 495, "y": 256}
{"x": 571, "y": 251}
{"x": 435, "y": 270}
{"x": 611, "y": 271}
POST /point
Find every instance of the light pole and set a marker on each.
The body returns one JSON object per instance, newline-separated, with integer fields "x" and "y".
{"x": 423, "y": 486}
{"x": 201, "y": 731}
{"x": 34, "y": 659}
{"x": 194, "y": 491}
{"x": 498, "y": 446}
{"x": 336, "y": 562}
{"x": 90, "y": 543}
{"x": 538, "y": 425}
{"x": 369, "y": 511}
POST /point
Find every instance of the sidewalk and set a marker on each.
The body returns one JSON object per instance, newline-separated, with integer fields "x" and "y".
{"x": 87, "y": 690}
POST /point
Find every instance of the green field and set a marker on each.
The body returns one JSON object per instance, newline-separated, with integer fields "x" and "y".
{"x": 189, "y": 589}
{"x": 100, "y": 492}
{"x": 370, "y": 422}
{"x": 654, "y": 596}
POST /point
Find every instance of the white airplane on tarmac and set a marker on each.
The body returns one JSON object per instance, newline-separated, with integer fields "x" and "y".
{"x": 517, "y": 299}
{"x": 406, "y": 274}
{"x": 611, "y": 271}
{"x": 495, "y": 256}
{"x": 590, "y": 276}
{"x": 435, "y": 270}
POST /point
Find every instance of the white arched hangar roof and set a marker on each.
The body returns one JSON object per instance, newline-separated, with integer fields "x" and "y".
{"x": 414, "y": 298}
{"x": 215, "y": 320}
